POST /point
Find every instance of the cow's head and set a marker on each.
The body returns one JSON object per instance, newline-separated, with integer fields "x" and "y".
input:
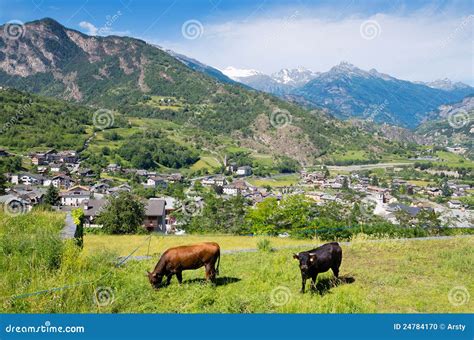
{"x": 155, "y": 279}
{"x": 306, "y": 260}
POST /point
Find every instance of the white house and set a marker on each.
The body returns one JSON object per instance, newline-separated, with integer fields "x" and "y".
{"x": 244, "y": 170}
{"x": 27, "y": 179}
{"x": 59, "y": 181}
{"x": 220, "y": 181}
{"x": 230, "y": 190}
{"x": 75, "y": 196}
{"x": 208, "y": 181}
{"x": 155, "y": 181}
{"x": 455, "y": 204}
{"x": 55, "y": 167}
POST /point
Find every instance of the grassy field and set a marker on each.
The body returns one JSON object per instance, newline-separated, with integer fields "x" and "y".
{"x": 125, "y": 244}
{"x": 280, "y": 181}
{"x": 383, "y": 276}
{"x": 452, "y": 160}
{"x": 206, "y": 162}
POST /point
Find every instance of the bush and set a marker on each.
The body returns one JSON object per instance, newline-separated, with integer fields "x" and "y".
{"x": 264, "y": 245}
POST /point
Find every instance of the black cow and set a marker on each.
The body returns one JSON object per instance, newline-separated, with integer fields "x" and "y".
{"x": 319, "y": 260}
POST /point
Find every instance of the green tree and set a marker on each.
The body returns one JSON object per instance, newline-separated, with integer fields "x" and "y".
{"x": 3, "y": 183}
{"x": 52, "y": 196}
{"x": 263, "y": 218}
{"x": 345, "y": 184}
{"x": 217, "y": 215}
{"x": 375, "y": 180}
{"x": 122, "y": 215}
{"x": 428, "y": 219}
{"x": 445, "y": 189}
{"x": 327, "y": 174}
{"x": 404, "y": 218}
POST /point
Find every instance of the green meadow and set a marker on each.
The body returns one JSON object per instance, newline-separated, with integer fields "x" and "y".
{"x": 385, "y": 276}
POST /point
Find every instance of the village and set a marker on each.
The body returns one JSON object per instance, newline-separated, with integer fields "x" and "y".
{"x": 80, "y": 187}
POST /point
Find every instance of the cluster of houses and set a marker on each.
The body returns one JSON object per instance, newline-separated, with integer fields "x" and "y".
{"x": 78, "y": 188}
{"x": 250, "y": 192}
{"x": 385, "y": 204}
{"x": 29, "y": 190}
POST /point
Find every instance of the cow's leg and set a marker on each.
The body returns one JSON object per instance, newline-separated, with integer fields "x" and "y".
{"x": 168, "y": 278}
{"x": 210, "y": 274}
{"x": 213, "y": 274}
{"x": 313, "y": 281}
{"x": 179, "y": 276}
{"x": 211, "y": 268}
{"x": 303, "y": 282}
{"x": 336, "y": 271}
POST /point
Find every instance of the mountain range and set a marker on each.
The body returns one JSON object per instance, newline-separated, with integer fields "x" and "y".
{"x": 130, "y": 77}
{"x": 350, "y": 92}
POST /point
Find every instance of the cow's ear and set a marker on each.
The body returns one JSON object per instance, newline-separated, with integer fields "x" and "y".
{"x": 295, "y": 256}
{"x": 312, "y": 258}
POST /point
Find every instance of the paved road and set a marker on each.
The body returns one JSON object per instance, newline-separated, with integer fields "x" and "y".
{"x": 351, "y": 168}
{"x": 69, "y": 229}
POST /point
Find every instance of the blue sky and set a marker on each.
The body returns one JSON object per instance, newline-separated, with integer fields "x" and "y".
{"x": 414, "y": 40}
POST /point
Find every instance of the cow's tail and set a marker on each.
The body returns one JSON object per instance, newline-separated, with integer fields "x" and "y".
{"x": 218, "y": 261}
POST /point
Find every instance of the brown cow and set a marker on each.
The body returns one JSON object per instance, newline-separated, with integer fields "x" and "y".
{"x": 175, "y": 260}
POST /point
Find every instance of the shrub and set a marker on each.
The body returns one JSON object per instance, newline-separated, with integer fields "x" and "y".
{"x": 264, "y": 245}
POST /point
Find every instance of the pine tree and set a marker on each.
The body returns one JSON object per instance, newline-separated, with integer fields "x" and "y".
{"x": 52, "y": 196}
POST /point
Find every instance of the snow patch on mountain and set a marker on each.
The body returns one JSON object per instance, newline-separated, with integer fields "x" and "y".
{"x": 236, "y": 73}
{"x": 446, "y": 84}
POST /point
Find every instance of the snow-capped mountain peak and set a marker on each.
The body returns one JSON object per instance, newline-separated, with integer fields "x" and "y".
{"x": 446, "y": 84}
{"x": 236, "y": 73}
{"x": 346, "y": 67}
{"x": 295, "y": 77}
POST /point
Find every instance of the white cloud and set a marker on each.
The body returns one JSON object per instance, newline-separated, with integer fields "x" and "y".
{"x": 105, "y": 30}
{"x": 89, "y": 27}
{"x": 421, "y": 46}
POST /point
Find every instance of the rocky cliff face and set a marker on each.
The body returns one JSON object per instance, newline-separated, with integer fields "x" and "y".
{"x": 47, "y": 46}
